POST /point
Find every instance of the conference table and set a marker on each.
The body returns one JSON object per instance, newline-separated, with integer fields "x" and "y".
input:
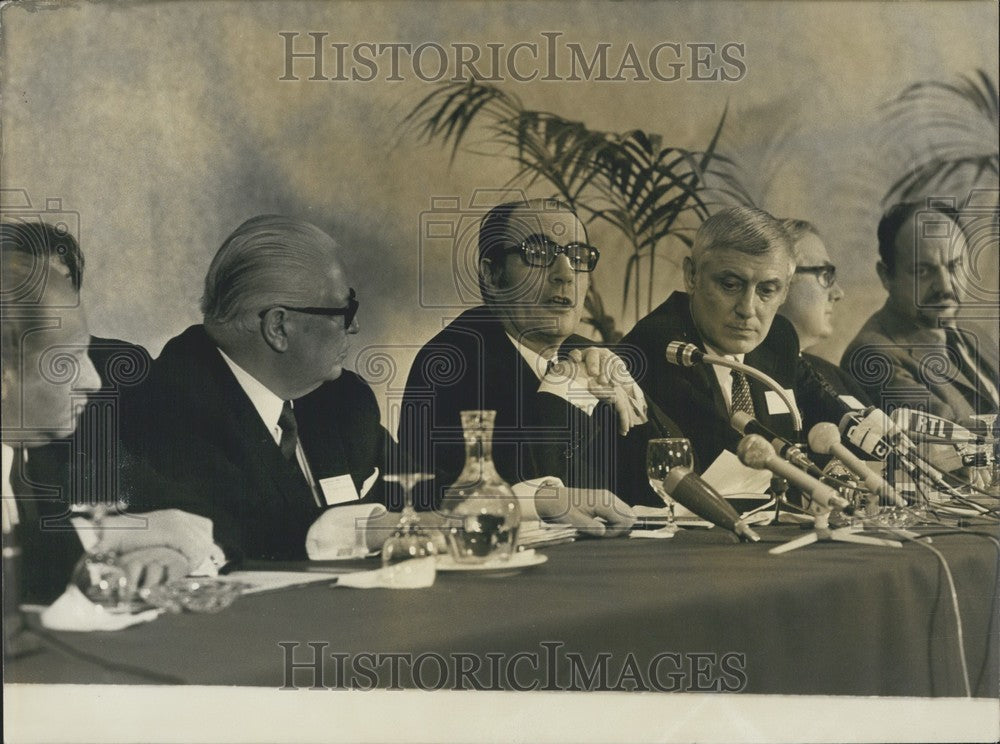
{"x": 698, "y": 612}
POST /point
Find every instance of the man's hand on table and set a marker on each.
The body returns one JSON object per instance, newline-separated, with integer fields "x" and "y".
{"x": 585, "y": 508}
{"x": 188, "y": 535}
{"x": 148, "y": 567}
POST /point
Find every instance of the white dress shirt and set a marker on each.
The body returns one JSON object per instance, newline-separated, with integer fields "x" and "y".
{"x": 268, "y": 407}
{"x": 725, "y": 375}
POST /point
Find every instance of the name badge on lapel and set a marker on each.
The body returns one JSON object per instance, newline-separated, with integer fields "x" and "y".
{"x": 775, "y": 404}
{"x": 338, "y": 489}
{"x": 853, "y": 403}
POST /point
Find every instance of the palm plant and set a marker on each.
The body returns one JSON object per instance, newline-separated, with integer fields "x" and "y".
{"x": 957, "y": 122}
{"x": 629, "y": 180}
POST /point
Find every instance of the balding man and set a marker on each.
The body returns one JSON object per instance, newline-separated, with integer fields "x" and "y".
{"x": 252, "y": 410}
{"x": 736, "y": 278}
{"x": 569, "y": 429}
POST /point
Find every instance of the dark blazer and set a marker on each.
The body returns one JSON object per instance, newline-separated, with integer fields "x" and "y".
{"x": 472, "y": 365}
{"x": 194, "y": 426}
{"x": 899, "y": 363}
{"x": 81, "y": 468}
{"x": 839, "y": 381}
{"x": 692, "y": 397}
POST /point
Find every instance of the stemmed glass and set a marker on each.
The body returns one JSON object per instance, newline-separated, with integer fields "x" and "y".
{"x": 662, "y": 455}
{"x": 100, "y": 576}
{"x": 410, "y": 539}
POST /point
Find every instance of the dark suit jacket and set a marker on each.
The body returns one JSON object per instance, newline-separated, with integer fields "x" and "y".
{"x": 840, "y": 382}
{"x": 691, "y": 396}
{"x": 79, "y": 469}
{"x": 899, "y": 363}
{"x": 472, "y": 365}
{"x": 197, "y": 429}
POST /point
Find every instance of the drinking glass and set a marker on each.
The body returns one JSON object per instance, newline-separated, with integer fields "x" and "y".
{"x": 662, "y": 455}
{"x": 100, "y": 576}
{"x": 410, "y": 539}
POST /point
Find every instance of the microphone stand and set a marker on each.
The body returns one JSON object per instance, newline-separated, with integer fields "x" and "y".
{"x": 822, "y": 533}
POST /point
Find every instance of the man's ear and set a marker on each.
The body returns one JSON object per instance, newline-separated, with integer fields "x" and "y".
{"x": 488, "y": 275}
{"x": 883, "y": 274}
{"x": 688, "y": 274}
{"x": 274, "y": 330}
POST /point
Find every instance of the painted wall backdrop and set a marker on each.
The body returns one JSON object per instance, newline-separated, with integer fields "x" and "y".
{"x": 165, "y": 125}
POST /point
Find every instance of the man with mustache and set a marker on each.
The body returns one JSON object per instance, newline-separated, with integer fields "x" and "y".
{"x": 736, "y": 278}
{"x": 570, "y": 422}
{"x": 911, "y": 351}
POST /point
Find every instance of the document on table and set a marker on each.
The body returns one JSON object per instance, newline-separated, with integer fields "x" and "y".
{"x": 266, "y": 581}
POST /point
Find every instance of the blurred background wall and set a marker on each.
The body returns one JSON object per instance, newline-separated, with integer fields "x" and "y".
{"x": 165, "y": 125}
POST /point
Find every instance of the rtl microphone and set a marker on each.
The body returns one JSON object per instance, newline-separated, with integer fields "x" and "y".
{"x": 693, "y": 492}
{"x": 755, "y": 452}
{"x": 744, "y": 423}
{"x": 946, "y": 445}
{"x": 825, "y": 439}
{"x": 683, "y": 354}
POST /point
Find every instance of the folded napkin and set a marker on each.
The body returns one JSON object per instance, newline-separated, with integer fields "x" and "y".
{"x": 415, "y": 573}
{"x": 73, "y": 611}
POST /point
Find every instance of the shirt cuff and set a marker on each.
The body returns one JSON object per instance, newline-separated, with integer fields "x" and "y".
{"x": 525, "y": 491}
{"x": 341, "y": 532}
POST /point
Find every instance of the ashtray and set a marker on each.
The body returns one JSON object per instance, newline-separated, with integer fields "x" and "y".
{"x": 195, "y": 595}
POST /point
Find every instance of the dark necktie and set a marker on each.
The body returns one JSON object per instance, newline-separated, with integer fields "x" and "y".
{"x": 741, "y": 395}
{"x": 985, "y": 396}
{"x": 289, "y": 431}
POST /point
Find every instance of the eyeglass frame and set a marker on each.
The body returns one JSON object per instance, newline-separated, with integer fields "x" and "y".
{"x": 349, "y": 312}
{"x": 558, "y": 250}
{"x": 819, "y": 272}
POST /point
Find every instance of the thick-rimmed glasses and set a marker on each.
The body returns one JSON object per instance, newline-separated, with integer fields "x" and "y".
{"x": 348, "y": 312}
{"x": 826, "y": 274}
{"x": 540, "y": 252}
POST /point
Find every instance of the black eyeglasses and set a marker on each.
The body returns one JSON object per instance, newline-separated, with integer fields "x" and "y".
{"x": 826, "y": 274}
{"x": 348, "y": 312}
{"x": 539, "y": 251}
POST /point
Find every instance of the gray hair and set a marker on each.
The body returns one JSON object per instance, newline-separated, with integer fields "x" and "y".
{"x": 744, "y": 229}
{"x": 798, "y": 229}
{"x": 268, "y": 260}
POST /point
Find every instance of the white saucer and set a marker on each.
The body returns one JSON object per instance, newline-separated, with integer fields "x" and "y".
{"x": 521, "y": 559}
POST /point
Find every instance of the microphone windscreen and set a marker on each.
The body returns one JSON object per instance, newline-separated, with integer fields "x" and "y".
{"x": 754, "y": 451}
{"x": 823, "y": 436}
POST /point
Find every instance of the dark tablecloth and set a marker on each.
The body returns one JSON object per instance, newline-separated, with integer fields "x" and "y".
{"x": 693, "y": 613}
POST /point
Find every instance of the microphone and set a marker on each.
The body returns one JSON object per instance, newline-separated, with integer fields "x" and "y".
{"x": 687, "y": 355}
{"x": 825, "y": 439}
{"x": 755, "y": 452}
{"x": 875, "y": 433}
{"x": 744, "y": 423}
{"x": 684, "y": 355}
{"x": 946, "y": 444}
{"x": 693, "y": 492}
{"x": 868, "y": 434}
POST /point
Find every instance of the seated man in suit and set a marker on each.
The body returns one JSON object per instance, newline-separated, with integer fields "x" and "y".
{"x": 911, "y": 352}
{"x": 736, "y": 278}
{"x": 47, "y": 374}
{"x": 563, "y": 408}
{"x": 252, "y": 411}
{"x": 813, "y": 294}
{"x": 76, "y": 467}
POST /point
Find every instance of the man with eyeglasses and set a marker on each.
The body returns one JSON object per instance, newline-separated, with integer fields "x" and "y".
{"x": 736, "y": 278}
{"x": 252, "y": 413}
{"x": 911, "y": 351}
{"x": 570, "y": 421}
{"x": 813, "y": 294}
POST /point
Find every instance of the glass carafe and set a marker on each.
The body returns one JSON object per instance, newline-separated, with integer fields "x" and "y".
{"x": 482, "y": 515}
